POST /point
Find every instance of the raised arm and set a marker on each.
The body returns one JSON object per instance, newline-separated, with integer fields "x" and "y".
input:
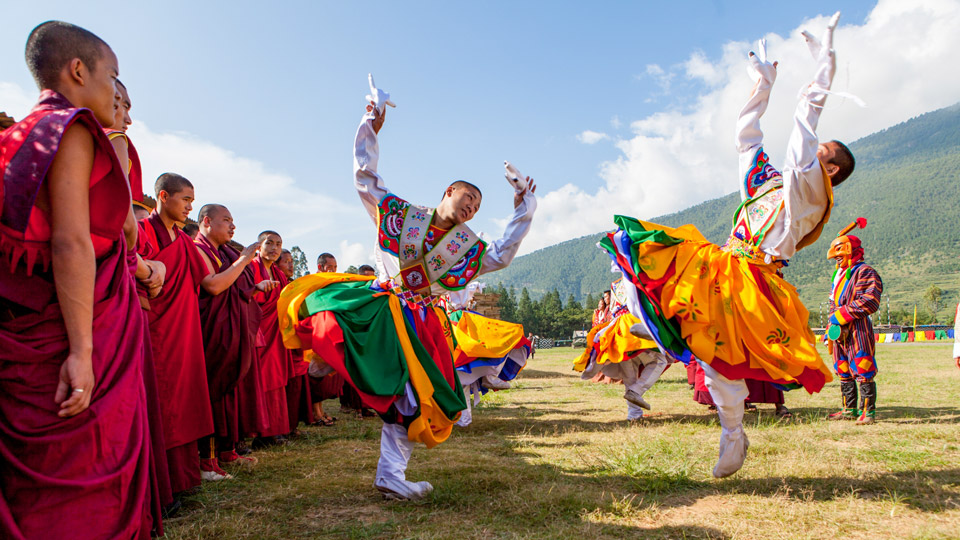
{"x": 366, "y": 151}
{"x": 215, "y": 283}
{"x": 501, "y": 252}
{"x": 754, "y": 169}
{"x": 802, "y": 147}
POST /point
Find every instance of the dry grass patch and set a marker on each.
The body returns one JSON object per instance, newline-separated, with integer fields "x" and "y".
{"x": 554, "y": 458}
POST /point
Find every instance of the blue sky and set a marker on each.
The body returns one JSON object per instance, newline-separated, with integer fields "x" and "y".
{"x": 258, "y": 103}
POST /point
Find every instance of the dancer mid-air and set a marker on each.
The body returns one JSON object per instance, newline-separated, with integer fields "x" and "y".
{"x": 729, "y": 307}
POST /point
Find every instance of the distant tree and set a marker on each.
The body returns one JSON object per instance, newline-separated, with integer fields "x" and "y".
{"x": 934, "y": 300}
{"x": 590, "y": 302}
{"x": 352, "y": 270}
{"x": 526, "y": 312}
{"x": 300, "y": 266}
{"x": 507, "y": 303}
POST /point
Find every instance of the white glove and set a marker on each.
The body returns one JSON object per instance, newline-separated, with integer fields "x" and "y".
{"x": 818, "y": 48}
{"x": 759, "y": 68}
{"x": 379, "y": 98}
{"x": 517, "y": 180}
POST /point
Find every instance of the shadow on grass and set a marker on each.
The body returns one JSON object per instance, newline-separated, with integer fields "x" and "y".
{"x": 529, "y": 373}
{"x": 904, "y": 415}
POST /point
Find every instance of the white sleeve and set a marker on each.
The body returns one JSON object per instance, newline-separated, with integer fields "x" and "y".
{"x": 366, "y": 154}
{"x": 805, "y": 195}
{"x": 749, "y": 139}
{"x": 501, "y": 253}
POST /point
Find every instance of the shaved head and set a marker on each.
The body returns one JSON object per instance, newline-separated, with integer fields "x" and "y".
{"x": 172, "y": 183}
{"x": 52, "y": 45}
{"x": 266, "y": 234}
{"x": 211, "y": 211}
{"x": 460, "y": 184}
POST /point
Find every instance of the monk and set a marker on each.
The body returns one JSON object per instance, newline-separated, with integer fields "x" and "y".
{"x": 150, "y": 276}
{"x": 276, "y": 361}
{"x": 175, "y": 331}
{"x": 74, "y": 447}
{"x": 229, "y": 320}
{"x": 299, "y": 402}
{"x": 330, "y": 385}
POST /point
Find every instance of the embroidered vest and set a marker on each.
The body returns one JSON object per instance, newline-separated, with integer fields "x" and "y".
{"x": 416, "y": 258}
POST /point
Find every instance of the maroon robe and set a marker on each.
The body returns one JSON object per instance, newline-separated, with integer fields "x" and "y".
{"x": 178, "y": 351}
{"x": 299, "y": 402}
{"x": 88, "y": 474}
{"x": 229, "y": 345}
{"x": 276, "y": 361}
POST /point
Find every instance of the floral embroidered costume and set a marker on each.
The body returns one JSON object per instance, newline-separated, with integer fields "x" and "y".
{"x": 854, "y": 297}
{"x": 616, "y": 353}
{"x": 388, "y": 337}
{"x": 728, "y": 306}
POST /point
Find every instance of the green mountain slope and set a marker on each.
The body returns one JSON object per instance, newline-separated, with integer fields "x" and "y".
{"x": 907, "y": 185}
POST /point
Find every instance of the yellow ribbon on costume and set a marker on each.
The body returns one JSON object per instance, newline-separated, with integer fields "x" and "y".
{"x": 482, "y": 337}
{"x": 293, "y": 295}
{"x": 432, "y": 427}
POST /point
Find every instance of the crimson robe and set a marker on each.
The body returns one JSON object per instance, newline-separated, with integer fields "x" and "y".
{"x": 229, "y": 345}
{"x": 88, "y": 474}
{"x": 178, "y": 351}
{"x": 276, "y": 361}
{"x": 299, "y": 401}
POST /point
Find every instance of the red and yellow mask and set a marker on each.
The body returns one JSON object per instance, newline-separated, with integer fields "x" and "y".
{"x": 846, "y": 250}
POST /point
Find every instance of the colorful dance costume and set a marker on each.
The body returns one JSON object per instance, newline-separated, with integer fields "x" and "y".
{"x": 489, "y": 354}
{"x": 855, "y": 296}
{"x": 616, "y": 353}
{"x": 728, "y": 306}
{"x": 387, "y": 337}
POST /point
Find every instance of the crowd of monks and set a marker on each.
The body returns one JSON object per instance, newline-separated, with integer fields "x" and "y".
{"x": 137, "y": 357}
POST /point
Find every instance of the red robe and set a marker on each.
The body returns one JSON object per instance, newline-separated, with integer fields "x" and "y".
{"x": 276, "y": 361}
{"x": 85, "y": 475}
{"x": 299, "y": 401}
{"x": 178, "y": 351}
{"x": 229, "y": 345}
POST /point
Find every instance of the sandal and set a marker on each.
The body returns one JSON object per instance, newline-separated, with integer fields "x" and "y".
{"x": 749, "y": 407}
{"x": 783, "y": 412}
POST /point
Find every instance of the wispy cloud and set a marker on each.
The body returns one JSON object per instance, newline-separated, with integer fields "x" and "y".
{"x": 592, "y": 137}
{"x": 895, "y": 61}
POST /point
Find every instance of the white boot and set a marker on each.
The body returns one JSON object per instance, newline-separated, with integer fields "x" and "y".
{"x": 395, "y": 450}
{"x": 639, "y": 381}
{"x": 466, "y": 415}
{"x": 634, "y": 412}
{"x": 729, "y": 396}
{"x": 495, "y": 383}
{"x": 640, "y": 330}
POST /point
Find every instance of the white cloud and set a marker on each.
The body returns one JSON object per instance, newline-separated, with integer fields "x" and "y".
{"x": 592, "y": 137}
{"x": 354, "y": 253}
{"x": 15, "y": 101}
{"x": 258, "y": 197}
{"x": 615, "y": 122}
{"x": 898, "y": 61}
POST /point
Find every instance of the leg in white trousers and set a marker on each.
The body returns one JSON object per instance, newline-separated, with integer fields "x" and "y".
{"x": 637, "y": 382}
{"x": 395, "y": 450}
{"x": 729, "y": 396}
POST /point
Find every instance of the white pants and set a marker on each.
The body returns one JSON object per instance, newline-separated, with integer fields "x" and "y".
{"x": 728, "y": 396}
{"x": 395, "y": 450}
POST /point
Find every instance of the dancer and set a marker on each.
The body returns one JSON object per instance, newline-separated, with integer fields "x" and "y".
{"x": 856, "y": 295}
{"x": 728, "y": 307}
{"x": 387, "y": 337}
{"x": 489, "y": 353}
{"x": 613, "y": 352}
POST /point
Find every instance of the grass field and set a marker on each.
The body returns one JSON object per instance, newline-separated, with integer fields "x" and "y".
{"x": 554, "y": 458}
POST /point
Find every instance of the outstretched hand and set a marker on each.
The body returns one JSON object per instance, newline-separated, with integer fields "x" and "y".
{"x": 760, "y": 67}
{"x": 267, "y": 285}
{"x": 518, "y": 195}
{"x": 250, "y": 251}
{"x": 820, "y": 48}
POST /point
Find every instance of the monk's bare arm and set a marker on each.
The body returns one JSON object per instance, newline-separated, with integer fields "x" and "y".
{"x": 216, "y": 283}
{"x": 74, "y": 264}
{"x": 130, "y": 224}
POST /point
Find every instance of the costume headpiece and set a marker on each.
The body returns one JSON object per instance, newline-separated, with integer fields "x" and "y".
{"x": 846, "y": 246}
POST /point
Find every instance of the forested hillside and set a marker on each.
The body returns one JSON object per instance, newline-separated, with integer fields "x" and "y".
{"x": 907, "y": 185}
